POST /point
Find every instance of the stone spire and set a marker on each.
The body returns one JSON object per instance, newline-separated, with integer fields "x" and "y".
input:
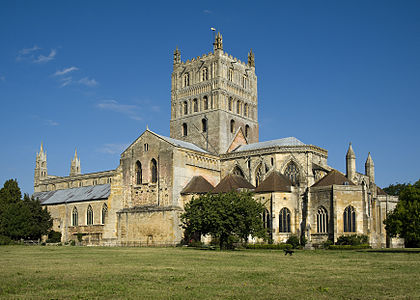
{"x": 40, "y": 165}
{"x": 218, "y": 42}
{"x": 75, "y": 165}
{"x": 370, "y": 168}
{"x": 177, "y": 56}
{"x": 350, "y": 163}
{"x": 251, "y": 59}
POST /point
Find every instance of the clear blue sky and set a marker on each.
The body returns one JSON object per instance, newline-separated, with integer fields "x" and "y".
{"x": 93, "y": 74}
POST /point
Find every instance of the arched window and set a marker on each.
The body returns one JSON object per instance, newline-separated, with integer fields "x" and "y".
{"x": 349, "y": 221}
{"x": 292, "y": 172}
{"x": 246, "y": 109}
{"x": 266, "y": 219}
{"x": 104, "y": 213}
{"x": 230, "y": 103}
{"x": 238, "y": 107}
{"x": 238, "y": 171}
{"x": 89, "y": 215}
{"x": 284, "y": 220}
{"x": 246, "y": 130}
{"x": 205, "y": 103}
{"x": 195, "y": 105}
{"x": 244, "y": 81}
{"x": 185, "y": 108}
{"x": 184, "y": 129}
{"x": 74, "y": 217}
{"x": 205, "y": 74}
{"x": 258, "y": 175}
{"x": 186, "y": 79}
{"x": 204, "y": 125}
{"x": 230, "y": 74}
{"x": 322, "y": 220}
{"x": 153, "y": 170}
{"x": 232, "y": 126}
{"x": 138, "y": 173}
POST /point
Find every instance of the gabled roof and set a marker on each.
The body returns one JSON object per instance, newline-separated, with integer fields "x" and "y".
{"x": 85, "y": 193}
{"x": 333, "y": 177}
{"x": 289, "y": 141}
{"x": 197, "y": 185}
{"x": 274, "y": 182}
{"x": 232, "y": 183}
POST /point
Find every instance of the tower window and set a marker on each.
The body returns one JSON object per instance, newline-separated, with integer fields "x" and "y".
{"x": 186, "y": 79}
{"x": 232, "y": 126}
{"x": 246, "y": 130}
{"x": 138, "y": 173}
{"x": 230, "y": 74}
{"x": 185, "y": 107}
{"x": 238, "y": 107}
{"x": 195, "y": 105}
{"x": 146, "y": 147}
{"x": 153, "y": 170}
{"x": 246, "y": 110}
{"x": 205, "y": 103}
{"x": 89, "y": 215}
{"x": 205, "y": 74}
{"x": 184, "y": 129}
{"x": 204, "y": 125}
{"x": 230, "y": 103}
{"x": 244, "y": 81}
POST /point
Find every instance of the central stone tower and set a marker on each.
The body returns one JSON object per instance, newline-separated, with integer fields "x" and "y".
{"x": 214, "y": 99}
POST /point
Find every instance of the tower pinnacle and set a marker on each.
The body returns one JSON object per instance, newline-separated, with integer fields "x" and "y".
{"x": 177, "y": 56}
{"x": 218, "y": 42}
{"x": 251, "y": 59}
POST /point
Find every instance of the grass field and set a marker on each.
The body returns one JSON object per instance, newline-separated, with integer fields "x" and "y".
{"x": 54, "y": 272}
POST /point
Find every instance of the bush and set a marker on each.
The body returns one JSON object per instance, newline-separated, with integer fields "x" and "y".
{"x": 353, "y": 240}
{"x": 349, "y": 247}
{"x": 269, "y": 246}
{"x": 294, "y": 241}
{"x": 72, "y": 243}
{"x": 327, "y": 244}
{"x": 54, "y": 237}
{"x": 80, "y": 237}
{"x": 5, "y": 240}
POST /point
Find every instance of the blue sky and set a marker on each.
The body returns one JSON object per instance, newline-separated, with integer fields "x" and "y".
{"x": 93, "y": 74}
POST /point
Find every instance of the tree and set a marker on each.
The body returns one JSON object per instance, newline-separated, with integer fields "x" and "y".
{"x": 21, "y": 218}
{"x": 395, "y": 189}
{"x": 404, "y": 220}
{"x": 224, "y": 216}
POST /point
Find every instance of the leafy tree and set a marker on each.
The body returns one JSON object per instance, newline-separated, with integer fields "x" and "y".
{"x": 395, "y": 189}
{"x": 405, "y": 219}
{"x": 225, "y": 217}
{"x": 21, "y": 218}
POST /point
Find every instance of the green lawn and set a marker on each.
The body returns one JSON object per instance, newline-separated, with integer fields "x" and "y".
{"x": 54, "y": 272}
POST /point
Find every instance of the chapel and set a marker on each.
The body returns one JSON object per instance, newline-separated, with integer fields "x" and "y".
{"x": 214, "y": 147}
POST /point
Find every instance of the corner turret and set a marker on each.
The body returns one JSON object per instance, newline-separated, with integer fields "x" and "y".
{"x": 218, "y": 42}
{"x": 75, "y": 165}
{"x": 40, "y": 166}
{"x": 350, "y": 163}
{"x": 370, "y": 169}
{"x": 177, "y": 56}
{"x": 251, "y": 59}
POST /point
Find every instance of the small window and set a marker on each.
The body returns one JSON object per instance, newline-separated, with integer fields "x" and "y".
{"x": 104, "y": 213}
{"x": 232, "y": 126}
{"x": 204, "y": 125}
{"x": 205, "y": 74}
{"x": 238, "y": 107}
{"x": 186, "y": 79}
{"x": 89, "y": 216}
{"x": 266, "y": 219}
{"x": 284, "y": 220}
{"x": 75, "y": 217}
{"x": 184, "y": 129}
{"x": 230, "y": 103}
{"x": 185, "y": 108}
{"x": 244, "y": 81}
{"x": 138, "y": 173}
{"x": 230, "y": 74}
{"x": 146, "y": 147}
{"x": 246, "y": 130}
{"x": 238, "y": 171}
{"x": 272, "y": 161}
{"x": 246, "y": 110}
{"x": 195, "y": 105}
{"x": 153, "y": 170}
{"x": 205, "y": 103}
{"x": 95, "y": 182}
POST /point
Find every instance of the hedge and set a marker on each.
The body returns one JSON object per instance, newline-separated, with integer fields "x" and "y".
{"x": 269, "y": 246}
{"x": 349, "y": 247}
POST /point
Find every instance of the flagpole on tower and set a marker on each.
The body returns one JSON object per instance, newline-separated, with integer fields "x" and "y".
{"x": 214, "y": 37}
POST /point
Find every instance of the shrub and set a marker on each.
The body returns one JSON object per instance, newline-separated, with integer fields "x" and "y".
{"x": 54, "y": 237}
{"x": 5, "y": 240}
{"x": 349, "y": 247}
{"x": 294, "y": 241}
{"x": 353, "y": 240}
{"x": 269, "y": 246}
{"x": 80, "y": 237}
{"x": 327, "y": 244}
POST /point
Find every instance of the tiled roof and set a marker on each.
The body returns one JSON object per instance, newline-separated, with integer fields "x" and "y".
{"x": 275, "y": 182}
{"x": 232, "y": 183}
{"x": 85, "y": 193}
{"x": 197, "y": 185}
{"x": 182, "y": 144}
{"x": 289, "y": 141}
{"x": 333, "y": 177}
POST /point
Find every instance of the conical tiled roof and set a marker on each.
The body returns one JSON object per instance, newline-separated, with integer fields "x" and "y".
{"x": 232, "y": 183}
{"x": 275, "y": 182}
{"x": 333, "y": 177}
{"x": 197, "y": 185}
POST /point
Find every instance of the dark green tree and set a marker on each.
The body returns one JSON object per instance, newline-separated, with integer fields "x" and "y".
{"x": 404, "y": 220}
{"x": 395, "y": 189}
{"x": 21, "y": 218}
{"x": 225, "y": 217}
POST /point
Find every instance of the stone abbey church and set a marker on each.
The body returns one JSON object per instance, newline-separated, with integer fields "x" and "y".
{"x": 214, "y": 148}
